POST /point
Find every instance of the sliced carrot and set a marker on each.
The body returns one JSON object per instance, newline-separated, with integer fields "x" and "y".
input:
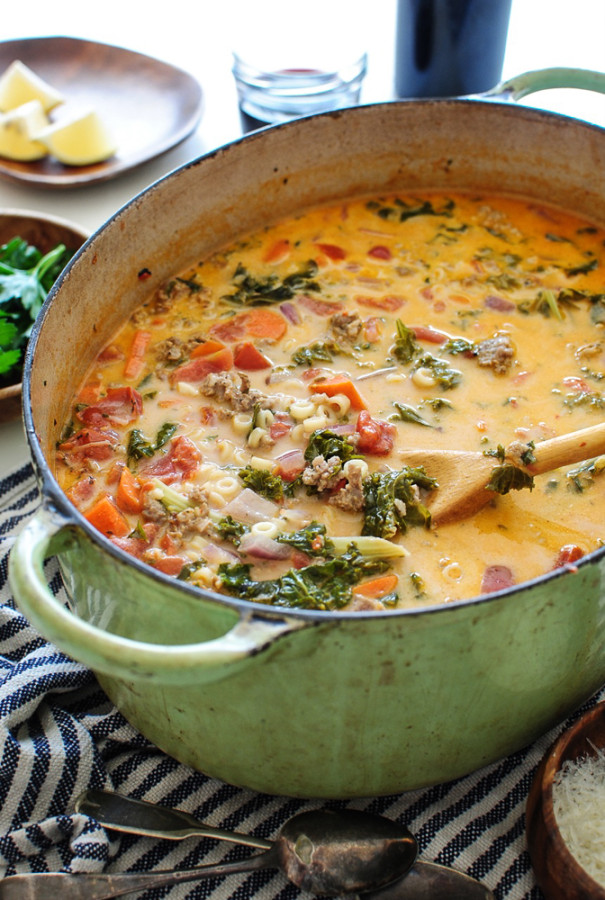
{"x": 277, "y": 251}
{"x": 107, "y": 518}
{"x": 265, "y": 323}
{"x": 340, "y": 386}
{"x": 207, "y": 348}
{"x": 136, "y": 356}
{"x": 246, "y": 356}
{"x": 129, "y": 494}
{"x": 377, "y": 587}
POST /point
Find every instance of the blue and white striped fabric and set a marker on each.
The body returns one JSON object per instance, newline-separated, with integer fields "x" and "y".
{"x": 59, "y": 735}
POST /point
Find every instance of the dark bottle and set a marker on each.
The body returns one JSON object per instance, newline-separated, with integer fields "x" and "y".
{"x": 449, "y": 48}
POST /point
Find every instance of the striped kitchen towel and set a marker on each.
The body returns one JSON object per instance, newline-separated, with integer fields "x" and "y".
{"x": 59, "y": 734}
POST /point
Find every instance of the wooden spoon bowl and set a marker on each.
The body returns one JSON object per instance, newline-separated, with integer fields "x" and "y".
{"x": 44, "y": 232}
{"x": 557, "y": 871}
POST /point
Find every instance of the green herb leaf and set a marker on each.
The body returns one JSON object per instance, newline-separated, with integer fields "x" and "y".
{"x": 391, "y": 501}
{"x": 262, "y": 482}
{"x": 405, "y": 347}
{"x": 252, "y": 290}
{"x": 508, "y": 477}
{"x": 139, "y": 446}
{"x": 408, "y": 414}
{"x": 326, "y": 585}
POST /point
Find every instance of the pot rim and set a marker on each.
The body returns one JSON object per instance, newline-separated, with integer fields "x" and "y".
{"x": 53, "y": 495}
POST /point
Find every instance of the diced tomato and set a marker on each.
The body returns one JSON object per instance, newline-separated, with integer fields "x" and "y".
{"x": 278, "y": 430}
{"x": 259, "y": 322}
{"x": 170, "y": 565}
{"x": 372, "y": 329}
{"x": 232, "y": 329}
{"x": 300, "y": 559}
{"x": 207, "y": 415}
{"x": 91, "y": 443}
{"x": 388, "y": 302}
{"x": 376, "y": 436}
{"x": 380, "y": 252}
{"x": 120, "y": 406}
{"x": 247, "y": 357}
{"x": 496, "y": 578}
{"x": 567, "y": 555}
{"x": 332, "y": 251}
{"x": 90, "y": 393}
{"x": 137, "y": 544}
{"x": 200, "y": 366}
{"x": 110, "y": 354}
{"x": 319, "y": 307}
{"x": 178, "y": 464}
{"x": 82, "y": 490}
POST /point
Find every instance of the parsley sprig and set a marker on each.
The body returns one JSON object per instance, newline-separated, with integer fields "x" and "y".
{"x": 26, "y": 276}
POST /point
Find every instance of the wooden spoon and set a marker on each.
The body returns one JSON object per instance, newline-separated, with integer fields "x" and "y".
{"x": 462, "y": 476}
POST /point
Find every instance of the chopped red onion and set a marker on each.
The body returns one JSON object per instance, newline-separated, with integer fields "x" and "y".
{"x": 248, "y": 507}
{"x": 262, "y": 546}
{"x": 290, "y": 312}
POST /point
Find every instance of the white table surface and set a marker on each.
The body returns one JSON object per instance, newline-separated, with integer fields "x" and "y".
{"x": 195, "y": 36}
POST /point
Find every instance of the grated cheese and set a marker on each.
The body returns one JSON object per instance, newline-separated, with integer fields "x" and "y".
{"x": 579, "y": 801}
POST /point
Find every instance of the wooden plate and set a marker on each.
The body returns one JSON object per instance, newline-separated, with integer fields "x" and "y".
{"x": 558, "y": 873}
{"x": 44, "y": 232}
{"x": 149, "y": 106}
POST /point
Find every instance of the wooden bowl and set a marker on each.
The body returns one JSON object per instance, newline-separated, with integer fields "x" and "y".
{"x": 44, "y": 232}
{"x": 558, "y": 873}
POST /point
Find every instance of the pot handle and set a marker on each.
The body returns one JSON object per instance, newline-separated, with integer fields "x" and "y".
{"x": 545, "y": 79}
{"x": 112, "y": 654}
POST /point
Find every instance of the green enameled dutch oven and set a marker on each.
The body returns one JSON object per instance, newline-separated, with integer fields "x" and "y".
{"x": 310, "y": 704}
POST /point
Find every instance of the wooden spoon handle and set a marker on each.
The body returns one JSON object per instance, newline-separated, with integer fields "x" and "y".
{"x": 568, "y": 448}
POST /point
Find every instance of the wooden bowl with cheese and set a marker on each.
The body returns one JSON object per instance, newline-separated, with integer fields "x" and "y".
{"x": 564, "y": 817}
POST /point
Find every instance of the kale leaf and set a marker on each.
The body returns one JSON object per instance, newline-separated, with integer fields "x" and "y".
{"x": 391, "y": 501}
{"x": 139, "y": 446}
{"x": 230, "y": 530}
{"x": 252, "y": 290}
{"x": 323, "y": 586}
{"x": 262, "y": 482}
{"x": 405, "y": 347}
{"x": 311, "y": 540}
{"x": 509, "y": 477}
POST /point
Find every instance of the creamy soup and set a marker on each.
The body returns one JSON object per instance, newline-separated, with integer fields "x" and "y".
{"x": 245, "y": 429}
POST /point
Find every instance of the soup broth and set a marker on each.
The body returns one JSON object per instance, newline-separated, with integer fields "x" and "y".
{"x": 246, "y": 429}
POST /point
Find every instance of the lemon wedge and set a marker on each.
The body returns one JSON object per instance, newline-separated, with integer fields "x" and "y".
{"x": 81, "y": 140}
{"x": 18, "y": 129}
{"x": 19, "y": 85}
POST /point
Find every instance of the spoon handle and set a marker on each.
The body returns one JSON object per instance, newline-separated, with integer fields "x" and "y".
{"x": 566, "y": 449}
{"x": 101, "y": 886}
{"x": 138, "y": 817}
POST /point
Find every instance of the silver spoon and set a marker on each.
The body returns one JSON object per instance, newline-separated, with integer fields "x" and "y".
{"x": 323, "y": 851}
{"x": 425, "y": 881}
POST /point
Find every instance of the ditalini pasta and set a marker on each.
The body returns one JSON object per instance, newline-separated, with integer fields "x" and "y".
{"x": 246, "y": 428}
